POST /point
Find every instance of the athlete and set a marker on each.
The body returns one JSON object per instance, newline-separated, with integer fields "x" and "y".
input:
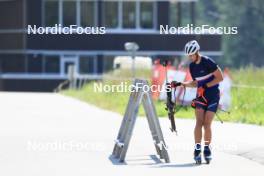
{"x": 206, "y": 75}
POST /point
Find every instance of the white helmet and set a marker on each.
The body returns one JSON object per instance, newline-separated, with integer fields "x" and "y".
{"x": 191, "y": 47}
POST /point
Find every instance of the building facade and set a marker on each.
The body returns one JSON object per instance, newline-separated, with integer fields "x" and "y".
{"x": 39, "y": 62}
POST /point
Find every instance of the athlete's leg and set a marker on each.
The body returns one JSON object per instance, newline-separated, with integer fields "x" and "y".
{"x": 199, "y": 113}
{"x": 209, "y": 116}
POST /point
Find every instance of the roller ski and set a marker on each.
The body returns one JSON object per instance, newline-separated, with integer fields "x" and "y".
{"x": 207, "y": 154}
{"x": 197, "y": 154}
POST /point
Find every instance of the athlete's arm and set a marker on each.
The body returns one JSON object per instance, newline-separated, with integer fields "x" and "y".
{"x": 218, "y": 77}
{"x": 190, "y": 83}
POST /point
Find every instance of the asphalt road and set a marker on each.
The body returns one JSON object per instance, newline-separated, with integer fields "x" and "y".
{"x": 50, "y": 134}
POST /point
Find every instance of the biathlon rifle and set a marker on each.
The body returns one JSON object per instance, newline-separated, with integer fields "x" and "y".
{"x": 170, "y": 105}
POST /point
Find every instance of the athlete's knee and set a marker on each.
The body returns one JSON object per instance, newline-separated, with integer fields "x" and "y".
{"x": 207, "y": 122}
{"x": 199, "y": 123}
{"x": 207, "y": 126}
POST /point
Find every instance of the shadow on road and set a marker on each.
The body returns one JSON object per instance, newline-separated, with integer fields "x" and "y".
{"x": 137, "y": 160}
{"x": 177, "y": 165}
{"x": 150, "y": 160}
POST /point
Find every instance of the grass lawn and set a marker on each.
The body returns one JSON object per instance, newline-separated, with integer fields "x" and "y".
{"x": 247, "y": 103}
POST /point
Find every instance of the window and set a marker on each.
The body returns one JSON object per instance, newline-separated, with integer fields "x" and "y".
{"x": 69, "y": 13}
{"x": 14, "y": 63}
{"x": 52, "y": 64}
{"x": 35, "y": 63}
{"x": 146, "y": 15}
{"x": 108, "y": 63}
{"x": 11, "y": 15}
{"x": 51, "y": 13}
{"x": 87, "y": 13}
{"x": 129, "y": 14}
{"x": 174, "y": 14}
{"x": 87, "y": 65}
{"x": 115, "y": 14}
{"x": 186, "y": 14}
{"x": 110, "y": 14}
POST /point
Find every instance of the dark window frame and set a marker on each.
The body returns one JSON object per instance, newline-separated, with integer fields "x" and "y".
{"x": 44, "y": 14}
{"x": 92, "y": 64}
{"x": 46, "y": 67}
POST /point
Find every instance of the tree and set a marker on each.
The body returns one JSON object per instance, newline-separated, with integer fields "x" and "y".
{"x": 247, "y": 46}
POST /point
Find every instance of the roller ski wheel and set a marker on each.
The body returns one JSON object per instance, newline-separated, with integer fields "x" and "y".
{"x": 197, "y": 157}
{"x": 207, "y": 155}
{"x": 207, "y": 161}
{"x": 198, "y": 161}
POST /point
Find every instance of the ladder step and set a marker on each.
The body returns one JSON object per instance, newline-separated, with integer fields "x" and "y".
{"x": 161, "y": 145}
{"x": 119, "y": 144}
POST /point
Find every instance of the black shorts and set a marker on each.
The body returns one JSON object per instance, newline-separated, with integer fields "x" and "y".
{"x": 211, "y": 101}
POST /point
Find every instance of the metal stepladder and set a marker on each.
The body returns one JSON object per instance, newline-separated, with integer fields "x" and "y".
{"x": 137, "y": 96}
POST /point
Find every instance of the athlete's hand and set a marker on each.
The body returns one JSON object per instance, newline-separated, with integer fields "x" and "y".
{"x": 205, "y": 86}
{"x": 202, "y": 84}
{"x": 175, "y": 84}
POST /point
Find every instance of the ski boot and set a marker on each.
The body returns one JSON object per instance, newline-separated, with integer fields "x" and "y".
{"x": 197, "y": 154}
{"x": 207, "y": 154}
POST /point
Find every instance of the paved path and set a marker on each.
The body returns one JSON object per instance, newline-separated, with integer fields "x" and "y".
{"x": 50, "y": 134}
